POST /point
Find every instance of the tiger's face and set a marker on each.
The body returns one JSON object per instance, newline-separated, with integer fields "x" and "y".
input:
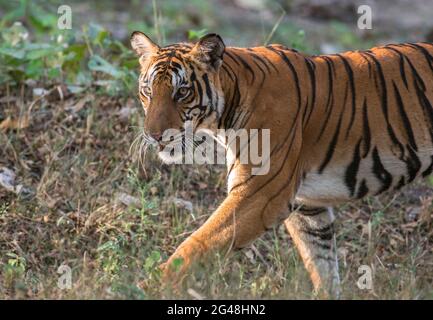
{"x": 178, "y": 84}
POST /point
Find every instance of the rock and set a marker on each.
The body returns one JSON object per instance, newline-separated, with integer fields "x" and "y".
{"x": 128, "y": 200}
{"x": 183, "y": 204}
{"x": 7, "y": 181}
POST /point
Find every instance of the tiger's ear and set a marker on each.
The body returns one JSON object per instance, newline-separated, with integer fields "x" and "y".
{"x": 209, "y": 49}
{"x": 142, "y": 45}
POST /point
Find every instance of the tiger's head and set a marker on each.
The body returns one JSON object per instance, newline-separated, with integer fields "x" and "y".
{"x": 179, "y": 83}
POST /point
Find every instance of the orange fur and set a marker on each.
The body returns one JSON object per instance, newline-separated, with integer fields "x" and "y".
{"x": 342, "y": 127}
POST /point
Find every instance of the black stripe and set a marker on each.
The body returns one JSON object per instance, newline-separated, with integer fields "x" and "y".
{"x": 400, "y": 183}
{"x": 384, "y": 104}
{"x": 330, "y": 65}
{"x": 401, "y": 64}
{"x": 429, "y": 170}
{"x": 293, "y": 70}
{"x": 380, "y": 172}
{"x": 362, "y": 190}
{"x": 228, "y": 72}
{"x": 243, "y": 62}
{"x": 199, "y": 91}
{"x": 330, "y": 102}
{"x": 208, "y": 88}
{"x": 311, "y": 211}
{"x": 426, "y": 107}
{"x": 363, "y": 55}
{"x": 425, "y": 53}
{"x": 415, "y": 74}
{"x": 406, "y": 122}
{"x": 323, "y": 233}
{"x": 349, "y": 72}
{"x": 352, "y": 169}
{"x": 413, "y": 164}
{"x": 332, "y": 145}
{"x": 366, "y": 133}
{"x": 261, "y": 60}
{"x": 311, "y": 71}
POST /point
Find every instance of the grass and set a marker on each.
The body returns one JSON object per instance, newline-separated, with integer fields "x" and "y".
{"x": 70, "y": 152}
{"x": 76, "y": 164}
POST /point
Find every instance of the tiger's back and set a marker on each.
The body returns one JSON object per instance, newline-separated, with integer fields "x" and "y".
{"x": 371, "y": 127}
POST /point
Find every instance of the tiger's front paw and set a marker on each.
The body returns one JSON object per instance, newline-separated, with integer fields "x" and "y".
{"x": 177, "y": 266}
{"x": 173, "y": 270}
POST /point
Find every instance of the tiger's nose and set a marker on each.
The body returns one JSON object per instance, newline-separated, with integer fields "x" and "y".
{"x": 156, "y": 135}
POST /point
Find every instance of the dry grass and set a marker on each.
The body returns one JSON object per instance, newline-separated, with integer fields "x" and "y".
{"x": 73, "y": 156}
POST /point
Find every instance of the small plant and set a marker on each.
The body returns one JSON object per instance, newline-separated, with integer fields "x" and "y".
{"x": 377, "y": 218}
{"x": 14, "y": 269}
{"x": 196, "y": 34}
{"x": 4, "y": 208}
{"x": 152, "y": 262}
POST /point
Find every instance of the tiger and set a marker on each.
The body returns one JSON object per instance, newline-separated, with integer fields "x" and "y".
{"x": 342, "y": 127}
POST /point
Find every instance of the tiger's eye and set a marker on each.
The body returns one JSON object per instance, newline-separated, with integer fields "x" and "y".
{"x": 182, "y": 92}
{"x": 147, "y": 91}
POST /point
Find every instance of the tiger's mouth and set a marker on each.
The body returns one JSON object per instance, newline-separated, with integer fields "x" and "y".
{"x": 170, "y": 142}
{"x": 171, "y": 151}
{"x": 161, "y": 145}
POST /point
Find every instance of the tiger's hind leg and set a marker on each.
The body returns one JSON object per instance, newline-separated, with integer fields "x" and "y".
{"x": 313, "y": 234}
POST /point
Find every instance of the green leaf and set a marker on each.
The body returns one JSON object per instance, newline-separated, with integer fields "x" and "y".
{"x": 83, "y": 78}
{"x": 53, "y": 73}
{"x": 75, "y": 89}
{"x": 97, "y": 63}
{"x": 152, "y": 260}
{"x": 97, "y": 34}
{"x": 148, "y": 264}
{"x": 196, "y": 34}
{"x": 109, "y": 245}
{"x": 155, "y": 255}
{"x": 40, "y": 19}
{"x": 16, "y": 34}
{"x": 177, "y": 263}
{"x": 15, "y": 53}
{"x": 39, "y": 53}
{"x": 34, "y": 69}
{"x": 12, "y": 255}
{"x": 131, "y": 64}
